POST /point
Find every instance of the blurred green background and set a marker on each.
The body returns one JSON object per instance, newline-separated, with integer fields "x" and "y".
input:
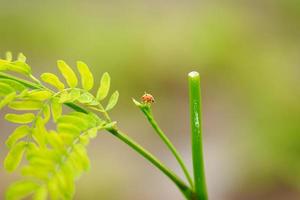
{"x": 248, "y": 54}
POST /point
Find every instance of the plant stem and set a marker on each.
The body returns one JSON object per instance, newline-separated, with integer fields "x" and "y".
{"x": 197, "y": 149}
{"x": 187, "y": 192}
{"x": 147, "y": 111}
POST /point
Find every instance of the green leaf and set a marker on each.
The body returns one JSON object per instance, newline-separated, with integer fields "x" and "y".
{"x": 23, "y": 93}
{"x": 53, "y": 80}
{"x": 40, "y": 95}
{"x": 39, "y": 132}
{"x": 40, "y": 194}
{"x": 81, "y": 123}
{"x": 53, "y": 190}
{"x": 26, "y": 105}
{"x": 56, "y": 109}
{"x": 104, "y": 87}
{"x": 8, "y": 56}
{"x": 21, "y": 189}
{"x": 136, "y": 102}
{"x": 21, "y": 57}
{"x": 14, "y": 84}
{"x": 84, "y": 139}
{"x": 68, "y": 73}
{"x": 68, "y": 128}
{"x": 112, "y": 101}
{"x": 18, "y": 134}
{"x": 91, "y": 119}
{"x": 87, "y": 78}
{"x": 64, "y": 97}
{"x": 3, "y": 65}
{"x": 14, "y": 157}
{"x": 92, "y": 133}
{"x": 20, "y": 67}
{"x": 20, "y": 118}
{"x": 74, "y": 95}
{"x": 87, "y": 98}
{"x": 82, "y": 157}
{"x": 46, "y": 113}
{"x": 54, "y": 139}
{"x": 5, "y": 89}
{"x": 7, "y": 99}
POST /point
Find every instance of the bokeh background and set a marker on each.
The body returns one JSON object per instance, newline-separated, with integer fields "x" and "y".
{"x": 248, "y": 54}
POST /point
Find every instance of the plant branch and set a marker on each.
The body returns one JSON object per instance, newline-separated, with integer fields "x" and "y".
{"x": 196, "y": 128}
{"x": 145, "y": 108}
{"x": 187, "y": 192}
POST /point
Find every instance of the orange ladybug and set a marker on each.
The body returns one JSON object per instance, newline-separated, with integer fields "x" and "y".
{"x": 147, "y": 98}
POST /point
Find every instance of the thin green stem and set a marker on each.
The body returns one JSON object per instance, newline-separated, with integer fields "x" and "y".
{"x": 197, "y": 149}
{"x": 147, "y": 111}
{"x": 187, "y": 192}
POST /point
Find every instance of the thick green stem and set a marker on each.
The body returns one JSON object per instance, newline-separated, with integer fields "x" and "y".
{"x": 147, "y": 111}
{"x": 196, "y": 128}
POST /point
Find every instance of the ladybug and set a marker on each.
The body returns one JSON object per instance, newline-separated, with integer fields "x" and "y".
{"x": 147, "y": 98}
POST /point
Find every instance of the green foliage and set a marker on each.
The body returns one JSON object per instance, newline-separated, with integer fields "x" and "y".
{"x": 104, "y": 86}
{"x": 53, "y": 80}
{"x": 54, "y": 158}
{"x": 112, "y": 101}
{"x": 86, "y": 76}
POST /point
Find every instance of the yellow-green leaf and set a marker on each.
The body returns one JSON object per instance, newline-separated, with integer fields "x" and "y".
{"x": 14, "y": 157}
{"x": 20, "y": 67}
{"x": 104, "y": 87}
{"x": 21, "y": 57}
{"x": 40, "y": 95}
{"x": 14, "y": 84}
{"x": 112, "y": 101}
{"x": 5, "y": 89}
{"x": 8, "y": 56}
{"x": 68, "y": 73}
{"x": 20, "y": 118}
{"x": 56, "y": 109}
{"x": 40, "y": 194}
{"x": 55, "y": 140}
{"x": 7, "y": 99}
{"x": 46, "y": 113}
{"x": 53, "y": 80}
{"x": 87, "y": 78}
{"x": 39, "y": 132}
{"x": 18, "y": 134}
{"x": 86, "y": 98}
{"x": 74, "y": 95}
{"x": 21, "y": 189}
{"x": 26, "y": 105}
